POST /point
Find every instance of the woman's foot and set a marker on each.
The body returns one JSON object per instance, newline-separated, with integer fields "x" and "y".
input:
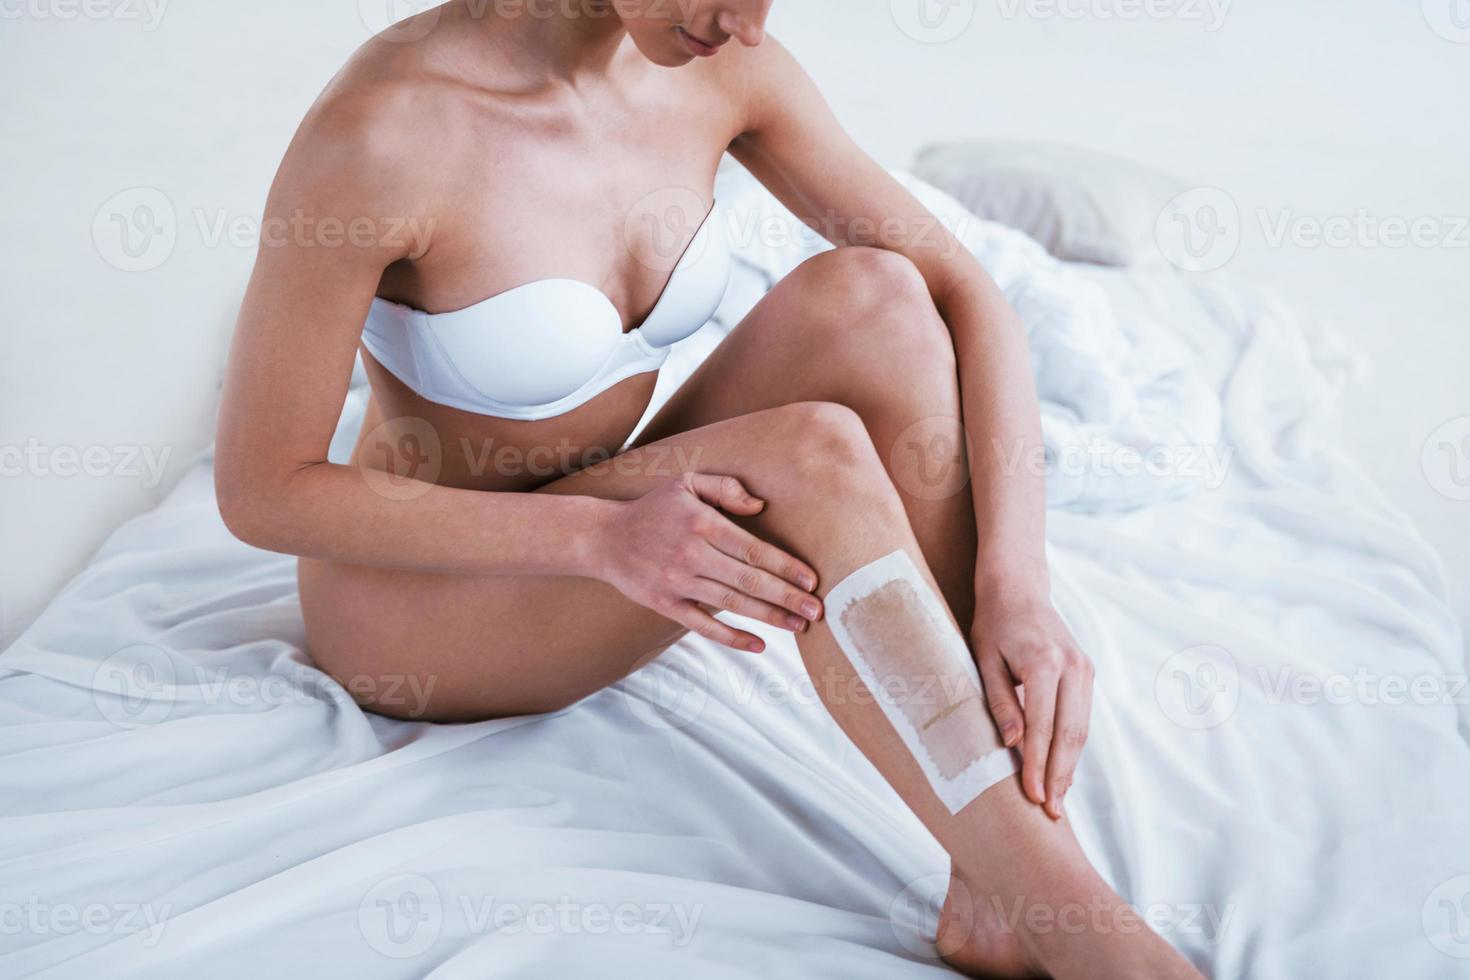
{"x": 983, "y": 936}
{"x": 975, "y": 939}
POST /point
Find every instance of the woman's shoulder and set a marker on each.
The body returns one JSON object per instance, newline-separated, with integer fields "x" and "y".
{"x": 384, "y": 113}
{"x": 362, "y": 147}
{"x": 382, "y": 97}
{"x": 749, "y": 76}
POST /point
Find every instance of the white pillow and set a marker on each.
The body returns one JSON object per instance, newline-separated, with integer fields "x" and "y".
{"x": 1083, "y": 206}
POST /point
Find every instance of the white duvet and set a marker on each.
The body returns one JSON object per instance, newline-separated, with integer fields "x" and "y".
{"x": 1125, "y": 422}
{"x": 1278, "y": 772}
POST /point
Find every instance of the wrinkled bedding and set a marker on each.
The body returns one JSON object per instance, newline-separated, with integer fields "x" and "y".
{"x": 1278, "y": 773}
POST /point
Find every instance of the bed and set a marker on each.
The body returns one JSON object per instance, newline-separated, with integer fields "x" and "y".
{"x": 1278, "y": 774}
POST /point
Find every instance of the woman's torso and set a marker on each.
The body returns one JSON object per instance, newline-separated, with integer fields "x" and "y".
{"x": 605, "y": 184}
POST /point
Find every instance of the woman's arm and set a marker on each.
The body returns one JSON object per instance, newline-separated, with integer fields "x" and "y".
{"x": 343, "y": 207}
{"x": 796, "y": 147}
{"x": 336, "y": 218}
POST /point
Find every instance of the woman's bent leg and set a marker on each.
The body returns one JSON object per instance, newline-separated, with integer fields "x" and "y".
{"x": 857, "y": 326}
{"x": 489, "y": 646}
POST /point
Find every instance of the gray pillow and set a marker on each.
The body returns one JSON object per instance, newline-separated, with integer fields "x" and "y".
{"x": 1083, "y": 206}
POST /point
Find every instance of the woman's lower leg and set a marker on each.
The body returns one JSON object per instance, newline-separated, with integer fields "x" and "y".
{"x": 837, "y": 508}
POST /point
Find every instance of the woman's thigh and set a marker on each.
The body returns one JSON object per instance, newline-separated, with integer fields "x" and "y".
{"x": 857, "y": 327}
{"x": 462, "y": 647}
{"x": 853, "y": 327}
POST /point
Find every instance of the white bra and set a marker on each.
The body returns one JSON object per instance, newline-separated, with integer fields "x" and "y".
{"x": 545, "y": 347}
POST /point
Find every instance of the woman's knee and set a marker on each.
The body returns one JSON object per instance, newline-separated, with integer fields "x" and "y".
{"x": 878, "y": 309}
{"x": 871, "y": 272}
{"x": 815, "y": 431}
{"x": 829, "y": 494}
{"x": 827, "y": 446}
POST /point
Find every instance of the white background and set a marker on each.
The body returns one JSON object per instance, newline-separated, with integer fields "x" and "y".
{"x": 1308, "y": 108}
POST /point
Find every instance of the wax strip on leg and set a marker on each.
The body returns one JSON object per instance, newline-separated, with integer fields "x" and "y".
{"x": 905, "y": 648}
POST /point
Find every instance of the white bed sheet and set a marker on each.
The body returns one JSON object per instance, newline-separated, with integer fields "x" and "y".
{"x": 705, "y": 818}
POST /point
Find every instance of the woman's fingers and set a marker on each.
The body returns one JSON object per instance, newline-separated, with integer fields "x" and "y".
{"x": 760, "y": 584}
{"x": 731, "y": 496}
{"x": 1000, "y": 694}
{"x": 722, "y": 596}
{"x": 1074, "y": 710}
{"x": 724, "y": 492}
{"x": 745, "y": 547}
{"x": 737, "y": 571}
{"x": 687, "y": 613}
{"x": 1040, "y": 687}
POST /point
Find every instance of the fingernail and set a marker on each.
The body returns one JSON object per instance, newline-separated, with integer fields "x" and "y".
{"x": 1012, "y": 735}
{"x": 754, "y": 646}
{"x": 811, "y": 610}
{"x": 808, "y": 583}
{"x": 795, "y": 623}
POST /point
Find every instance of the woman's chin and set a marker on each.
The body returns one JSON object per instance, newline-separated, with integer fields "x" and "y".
{"x": 670, "y": 59}
{"x": 666, "y": 51}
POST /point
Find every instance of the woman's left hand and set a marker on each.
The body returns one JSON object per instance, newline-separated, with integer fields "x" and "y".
{"x": 1024, "y": 641}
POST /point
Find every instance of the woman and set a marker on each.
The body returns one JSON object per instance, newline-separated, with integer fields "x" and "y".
{"x": 511, "y": 214}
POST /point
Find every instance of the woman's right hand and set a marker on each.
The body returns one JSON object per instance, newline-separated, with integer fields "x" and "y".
{"x": 672, "y": 550}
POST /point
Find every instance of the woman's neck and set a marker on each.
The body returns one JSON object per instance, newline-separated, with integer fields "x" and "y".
{"x": 570, "y": 41}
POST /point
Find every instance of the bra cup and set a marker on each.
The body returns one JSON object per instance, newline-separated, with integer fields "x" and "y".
{"x": 529, "y": 346}
{"x": 533, "y": 345}
{"x": 696, "y": 288}
{"x": 543, "y": 348}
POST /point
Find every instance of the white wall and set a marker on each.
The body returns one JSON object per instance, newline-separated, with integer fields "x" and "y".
{"x": 197, "y": 104}
{"x": 1323, "y": 108}
{"x": 1301, "y": 109}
